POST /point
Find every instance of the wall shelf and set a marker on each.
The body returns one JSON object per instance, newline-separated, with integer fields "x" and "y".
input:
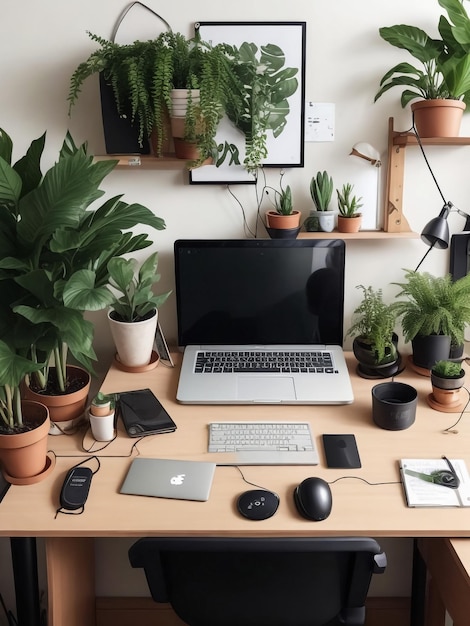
{"x": 361, "y": 235}
{"x": 395, "y": 221}
{"x": 144, "y": 161}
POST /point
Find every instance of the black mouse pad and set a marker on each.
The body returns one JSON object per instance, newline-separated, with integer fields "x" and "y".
{"x": 341, "y": 451}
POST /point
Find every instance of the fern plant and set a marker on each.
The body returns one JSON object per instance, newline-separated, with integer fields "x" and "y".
{"x": 142, "y": 75}
{"x": 434, "y": 305}
{"x": 373, "y": 323}
{"x": 448, "y": 369}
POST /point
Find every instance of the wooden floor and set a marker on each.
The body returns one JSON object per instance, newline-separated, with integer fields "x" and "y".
{"x": 145, "y": 612}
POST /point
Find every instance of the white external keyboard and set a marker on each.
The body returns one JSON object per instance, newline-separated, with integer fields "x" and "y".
{"x": 269, "y": 443}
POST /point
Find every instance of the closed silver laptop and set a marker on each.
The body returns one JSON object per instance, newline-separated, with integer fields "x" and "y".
{"x": 169, "y": 478}
{"x": 261, "y": 321}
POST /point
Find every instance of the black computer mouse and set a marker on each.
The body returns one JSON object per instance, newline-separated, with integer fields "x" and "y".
{"x": 313, "y": 499}
{"x": 258, "y": 504}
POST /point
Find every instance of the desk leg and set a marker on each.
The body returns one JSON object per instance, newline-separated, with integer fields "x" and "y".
{"x": 418, "y": 588}
{"x": 25, "y": 574}
{"x": 70, "y": 581}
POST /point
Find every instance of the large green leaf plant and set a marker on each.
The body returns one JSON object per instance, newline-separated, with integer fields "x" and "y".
{"x": 444, "y": 70}
{"x": 55, "y": 248}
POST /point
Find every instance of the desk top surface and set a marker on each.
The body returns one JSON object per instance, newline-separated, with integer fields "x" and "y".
{"x": 359, "y": 508}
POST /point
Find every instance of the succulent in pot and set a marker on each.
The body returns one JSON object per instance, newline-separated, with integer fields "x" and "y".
{"x": 283, "y": 216}
{"x": 349, "y": 218}
{"x": 321, "y": 191}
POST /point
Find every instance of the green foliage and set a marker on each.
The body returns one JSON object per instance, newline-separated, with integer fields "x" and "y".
{"x": 321, "y": 190}
{"x": 54, "y": 252}
{"x": 447, "y": 369}
{"x": 348, "y": 204}
{"x": 142, "y": 75}
{"x": 374, "y": 322}
{"x": 134, "y": 285}
{"x": 434, "y": 305}
{"x": 267, "y": 86}
{"x": 445, "y": 62}
{"x": 283, "y": 203}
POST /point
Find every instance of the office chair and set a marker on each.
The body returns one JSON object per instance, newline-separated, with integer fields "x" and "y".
{"x": 219, "y": 581}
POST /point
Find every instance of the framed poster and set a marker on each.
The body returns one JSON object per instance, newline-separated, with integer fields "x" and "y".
{"x": 285, "y": 133}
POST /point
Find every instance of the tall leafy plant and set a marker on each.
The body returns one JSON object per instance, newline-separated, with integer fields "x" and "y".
{"x": 55, "y": 248}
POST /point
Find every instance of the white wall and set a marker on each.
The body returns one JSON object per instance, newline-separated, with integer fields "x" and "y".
{"x": 41, "y": 43}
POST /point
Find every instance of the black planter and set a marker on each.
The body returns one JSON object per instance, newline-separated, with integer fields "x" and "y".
{"x": 120, "y": 136}
{"x": 429, "y": 349}
{"x": 448, "y": 383}
{"x": 394, "y": 405}
{"x": 367, "y": 363}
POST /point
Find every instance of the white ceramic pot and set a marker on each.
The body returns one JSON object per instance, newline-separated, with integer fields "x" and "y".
{"x": 102, "y": 426}
{"x": 179, "y": 100}
{"x": 326, "y": 219}
{"x": 134, "y": 340}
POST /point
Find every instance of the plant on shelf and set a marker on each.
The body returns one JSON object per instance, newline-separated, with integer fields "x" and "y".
{"x": 349, "y": 218}
{"x": 321, "y": 191}
{"x": 134, "y": 315}
{"x": 445, "y": 62}
{"x": 282, "y": 216}
{"x": 56, "y": 249}
{"x": 373, "y": 329}
{"x": 143, "y": 75}
{"x": 435, "y": 311}
{"x": 444, "y": 70}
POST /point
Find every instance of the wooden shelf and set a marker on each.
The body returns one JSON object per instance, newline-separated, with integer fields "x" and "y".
{"x": 361, "y": 235}
{"x": 395, "y": 220}
{"x": 143, "y": 161}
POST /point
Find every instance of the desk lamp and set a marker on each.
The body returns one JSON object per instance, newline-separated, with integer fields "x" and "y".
{"x": 436, "y": 232}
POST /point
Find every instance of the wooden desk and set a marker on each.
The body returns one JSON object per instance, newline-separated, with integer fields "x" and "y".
{"x": 358, "y": 508}
{"x": 448, "y": 566}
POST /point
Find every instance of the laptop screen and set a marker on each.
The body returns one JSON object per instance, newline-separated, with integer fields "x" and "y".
{"x": 260, "y": 291}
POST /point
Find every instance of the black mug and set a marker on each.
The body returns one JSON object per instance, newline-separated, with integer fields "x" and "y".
{"x": 394, "y": 405}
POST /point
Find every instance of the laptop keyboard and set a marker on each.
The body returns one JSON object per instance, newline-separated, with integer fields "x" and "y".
{"x": 264, "y": 362}
{"x": 260, "y": 436}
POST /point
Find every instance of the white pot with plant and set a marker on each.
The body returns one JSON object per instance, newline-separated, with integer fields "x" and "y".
{"x": 321, "y": 190}
{"x": 134, "y": 314}
{"x": 101, "y": 416}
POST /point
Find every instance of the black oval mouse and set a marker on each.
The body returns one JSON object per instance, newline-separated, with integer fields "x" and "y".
{"x": 313, "y": 499}
{"x": 258, "y": 504}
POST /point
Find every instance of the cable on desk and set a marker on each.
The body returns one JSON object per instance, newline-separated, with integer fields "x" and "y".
{"x": 364, "y": 480}
{"x": 451, "y": 429}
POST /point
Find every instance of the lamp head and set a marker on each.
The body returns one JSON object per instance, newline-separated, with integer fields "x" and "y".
{"x": 367, "y": 152}
{"x": 436, "y": 232}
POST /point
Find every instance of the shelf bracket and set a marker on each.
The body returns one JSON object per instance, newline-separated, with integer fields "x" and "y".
{"x": 394, "y": 219}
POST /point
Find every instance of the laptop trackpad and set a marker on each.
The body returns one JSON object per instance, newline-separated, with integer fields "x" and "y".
{"x": 265, "y": 389}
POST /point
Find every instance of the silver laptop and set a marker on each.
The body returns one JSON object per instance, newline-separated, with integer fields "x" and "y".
{"x": 261, "y": 321}
{"x": 168, "y": 478}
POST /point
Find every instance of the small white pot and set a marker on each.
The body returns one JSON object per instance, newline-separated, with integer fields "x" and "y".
{"x": 102, "y": 426}
{"x": 326, "y": 219}
{"x": 179, "y": 100}
{"x": 134, "y": 340}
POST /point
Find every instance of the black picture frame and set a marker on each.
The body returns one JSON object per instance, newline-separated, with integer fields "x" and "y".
{"x": 287, "y": 150}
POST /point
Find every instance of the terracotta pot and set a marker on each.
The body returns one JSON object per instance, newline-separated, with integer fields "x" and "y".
{"x": 438, "y": 118}
{"x": 23, "y": 455}
{"x": 349, "y": 224}
{"x": 68, "y": 406}
{"x": 446, "y": 397}
{"x": 134, "y": 340}
{"x": 185, "y": 149}
{"x": 276, "y": 220}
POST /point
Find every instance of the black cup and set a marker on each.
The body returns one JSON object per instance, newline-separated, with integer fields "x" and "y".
{"x": 394, "y": 405}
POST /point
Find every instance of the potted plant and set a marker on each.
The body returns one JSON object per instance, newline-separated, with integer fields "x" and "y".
{"x": 443, "y": 77}
{"x": 56, "y": 249}
{"x": 134, "y": 311}
{"x": 447, "y": 378}
{"x": 24, "y": 425}
{"x": 282, "y": 220}
{"x": 375, "y": 341}
{"x": 349, "y": 218}
{"x": 143, "y": 75}
{"x": 101, "y": 416}
{"x": 321, "y": 191}
{"x": 433, "y": 315}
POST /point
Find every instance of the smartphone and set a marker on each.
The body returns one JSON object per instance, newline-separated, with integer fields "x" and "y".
{"x": 142, "y": 414}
